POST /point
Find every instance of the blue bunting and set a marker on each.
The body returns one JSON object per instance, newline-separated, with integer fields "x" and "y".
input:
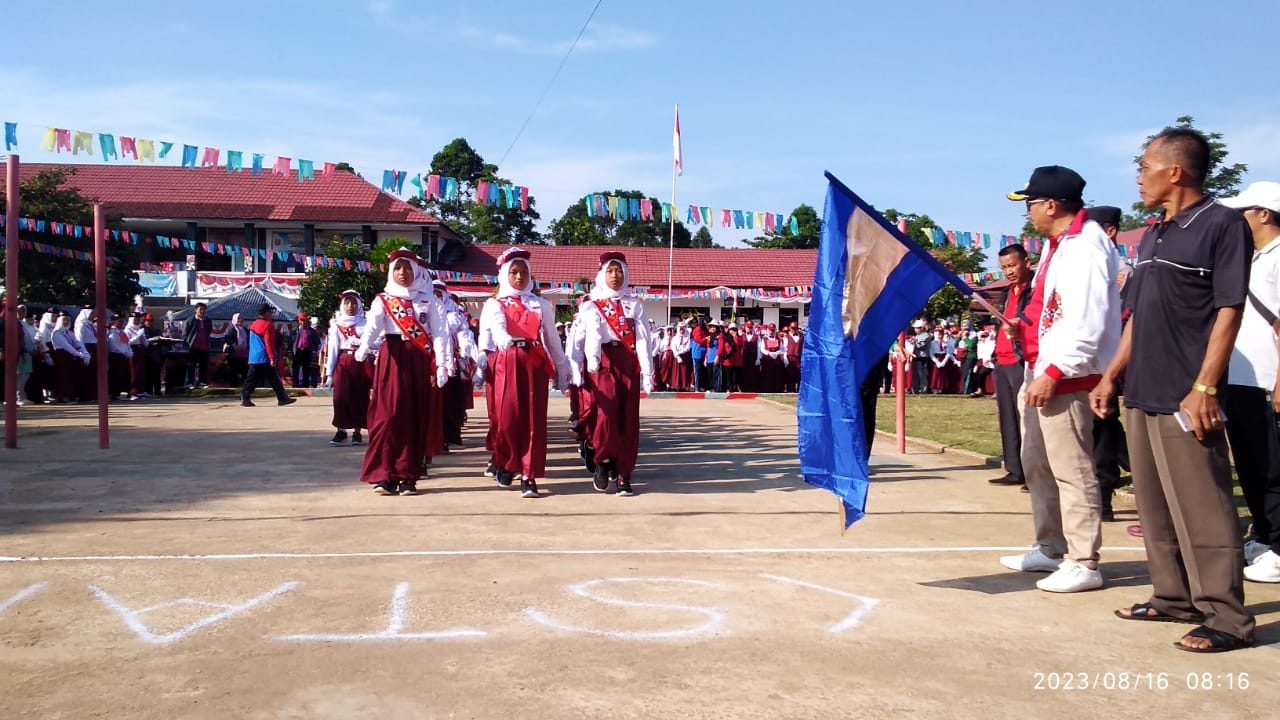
{"x": 189, "y": 156}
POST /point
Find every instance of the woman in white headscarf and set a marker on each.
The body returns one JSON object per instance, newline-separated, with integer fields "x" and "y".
{"x": 619, "y": 366}
{"x": 119, "y": 357}
{"x": 681, "y": 359}
{"x": 86, "y": 330}
{"x": 524, "y": 354}
{"x": 415, "y": 359}
{"x": 457, "y": 396}
{"x": 69, "y": 359}
{"x": 349, "y": 378}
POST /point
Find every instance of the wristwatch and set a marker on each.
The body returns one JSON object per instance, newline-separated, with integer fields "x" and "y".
{"x": 1209, "y": 390}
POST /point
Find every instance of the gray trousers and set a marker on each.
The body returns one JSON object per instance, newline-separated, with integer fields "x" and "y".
{"x": 1189, "y": 522}
{"x": 1008, "y": 384}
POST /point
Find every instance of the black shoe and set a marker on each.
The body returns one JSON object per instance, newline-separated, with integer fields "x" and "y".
{"x": 409, "y": 488}
{"x": 588, "y": 455}
{"x": 528, "y": 488}
{"x": 601, "y": 480}
{"x": 490, "y": 470}
{"x": 356, "y": 439}
{"x": 287, "y": 401}
{"x": 1108, "y": 515}
{"x": 386, "y": 487}
{"x": 504, "y": 478}
{"x": 624, "y": 487}
{"x": 339, "y": 438}
{"x": 613, "y": 469}
{"x": 1008, "y": 479}
{"x": 246, "y": 403}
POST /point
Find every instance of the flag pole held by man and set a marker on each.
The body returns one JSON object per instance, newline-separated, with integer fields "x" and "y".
{"x": 869, "y": 282}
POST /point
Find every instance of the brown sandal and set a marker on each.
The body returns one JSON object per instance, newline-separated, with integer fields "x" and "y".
{"x": 1146, "y": 612}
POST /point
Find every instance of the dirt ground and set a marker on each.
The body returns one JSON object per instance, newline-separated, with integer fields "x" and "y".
{"x": 223, "y": 562}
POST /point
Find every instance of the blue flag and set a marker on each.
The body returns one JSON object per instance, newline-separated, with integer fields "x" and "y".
{"x": 870, "y": 281}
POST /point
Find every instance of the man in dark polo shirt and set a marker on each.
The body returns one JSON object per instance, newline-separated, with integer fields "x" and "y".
{"x": 1110, "y": 448}
{"x": 1185, "y": 303}
{"x": 1009, "y": 361}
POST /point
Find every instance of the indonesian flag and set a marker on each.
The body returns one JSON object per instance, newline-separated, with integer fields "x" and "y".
{"x": 675, "y": 144}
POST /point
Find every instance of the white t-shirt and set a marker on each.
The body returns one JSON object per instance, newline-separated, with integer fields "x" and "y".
{"x": 1254, "y": 359}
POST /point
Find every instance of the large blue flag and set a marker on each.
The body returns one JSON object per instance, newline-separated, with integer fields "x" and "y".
{"x": 870, "y": 281}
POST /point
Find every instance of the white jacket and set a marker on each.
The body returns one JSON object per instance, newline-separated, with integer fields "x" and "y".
{"x": 1079, "y": 326}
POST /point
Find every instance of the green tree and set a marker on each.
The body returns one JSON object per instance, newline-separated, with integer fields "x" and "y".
{"x": 1221, "y": 180}
{"x": 703, "y": 239}
{"x": 44, "y": 278}
{"x": 809, "y": 225}
{"x": 490, "y": 224}
{"x": 320, "y": 289}
{"x": 947, "y": 303}
{"x": 917, "y": 225}
{"x": 575, "y": 227}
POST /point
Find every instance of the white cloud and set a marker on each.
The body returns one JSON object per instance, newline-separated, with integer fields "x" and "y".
{"x": 597, "y": 39}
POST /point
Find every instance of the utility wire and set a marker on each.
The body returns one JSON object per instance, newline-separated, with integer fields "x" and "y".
{"x": 551, "y": 82}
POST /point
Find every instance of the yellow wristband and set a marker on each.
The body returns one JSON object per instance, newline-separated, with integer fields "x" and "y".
{"x": 1209, "y": 390}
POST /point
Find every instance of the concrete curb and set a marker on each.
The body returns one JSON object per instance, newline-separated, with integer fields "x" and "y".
{"x": 937, "y": 447}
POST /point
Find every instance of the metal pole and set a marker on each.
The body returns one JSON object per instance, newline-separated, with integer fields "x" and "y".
{"x": 11, "y": 328}
{"x": 100, "y": 290}
{"x": 671, "y": 250}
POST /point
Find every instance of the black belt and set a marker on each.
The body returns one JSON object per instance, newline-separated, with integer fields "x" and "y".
{"x": 525, "y": 344}
{"x": 612, "y": 343}
{"x": 400, "y": 338}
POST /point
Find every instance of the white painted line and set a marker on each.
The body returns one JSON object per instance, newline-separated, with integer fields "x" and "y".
{"x": 132, "y": 617}
{"x": 395, "y": 626}
{"x": 549, "y": 551}
{"x": 864, "y": 608}
{"x": 714, "y": 618}
{"x": 21, "y": 595}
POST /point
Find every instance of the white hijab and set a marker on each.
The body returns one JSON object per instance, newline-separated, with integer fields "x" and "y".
{"x": 505, "y": 288}
{"x": 342, "y": 319}
{"x": 48, "y": 323}
{"x": 85, "y": 331}
{"x": 601, "y": 290}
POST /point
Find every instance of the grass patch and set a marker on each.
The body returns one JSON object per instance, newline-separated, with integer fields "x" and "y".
{"x": 952, "y": 420}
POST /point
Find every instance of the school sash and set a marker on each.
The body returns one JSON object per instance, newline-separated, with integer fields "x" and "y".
{"x": 618, "y": 322}
{"x": 525, "y": 325}
{"x": 402, "y": 315}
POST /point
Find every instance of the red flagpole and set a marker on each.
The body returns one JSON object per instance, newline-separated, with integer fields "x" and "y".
{"x": 100, "y": 290}
{"x": 11, "y": 328}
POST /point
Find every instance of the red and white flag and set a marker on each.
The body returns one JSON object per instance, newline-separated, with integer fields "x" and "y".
{"x": 675, "y": 144}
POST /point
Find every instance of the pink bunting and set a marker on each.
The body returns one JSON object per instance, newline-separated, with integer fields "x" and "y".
{"x": 282, "y": 166}
{"x": 524, "y": 198}
{"x": 210, "y": 158}
{"x": 128, "y": 147}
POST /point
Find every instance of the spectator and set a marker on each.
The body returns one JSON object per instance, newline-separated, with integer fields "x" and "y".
{"x": 237, "y": 350}
{"x": 921, "y": 362}
{"x": 1075, "y": 315}
{"x": 712, "y": 359}
{"x": 730, "y": 357}
{"x": 1251, "y": 377}
{"x": 1010, "y": 361}
{"x": 793, "y": 346}
{"x": 69, "y": 360}
{"x": 1185, "y": 306}
{"x": 86, "y": 330}
{"x": 306, "y": 343}
{"x": 942, "y": 353}
{"x": 986, "y": 363}
{"x": 698, "y": 354}
{"x": 135, "y": 334}
{"x": 197, "y": 333}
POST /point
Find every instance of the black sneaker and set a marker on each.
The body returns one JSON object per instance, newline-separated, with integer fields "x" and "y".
{"x": 339, "y": 438}
{"x": 490, "y": 470}
{"x": 356, "y": 439}
{"x": 386, "y": 487}
{"x": 287, "y": 401}
{"x": 246, "y": 403}
{"x": 588, "y": 454}
{"x": 601, "y": 481}
{"x": 528, "y": 487}
{"x": 409, "y": 488}
{"x": 504, "y": 478}
{"x": 624, "y": 488}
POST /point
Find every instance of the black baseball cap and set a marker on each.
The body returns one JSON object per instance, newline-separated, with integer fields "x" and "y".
{"x": 1051, "y": 181}
{"x": 1105, "y": 215}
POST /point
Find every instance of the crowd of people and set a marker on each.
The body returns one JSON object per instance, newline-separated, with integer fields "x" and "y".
{"x": 1187, "y": 336}
{"x": 702, "y": 355}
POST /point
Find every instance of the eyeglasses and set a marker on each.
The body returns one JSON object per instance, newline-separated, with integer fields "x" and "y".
{"x": 1034, "y": 202}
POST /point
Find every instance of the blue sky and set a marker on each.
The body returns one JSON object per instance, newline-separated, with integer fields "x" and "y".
{"x": 935, "y": 107}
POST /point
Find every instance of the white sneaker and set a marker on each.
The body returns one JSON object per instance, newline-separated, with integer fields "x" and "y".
{"x": 1253, "y": 549}
{"x": 1071, "y": 577}
{"x": 1034, "y": 561}
{"x": 1264, "y": 569}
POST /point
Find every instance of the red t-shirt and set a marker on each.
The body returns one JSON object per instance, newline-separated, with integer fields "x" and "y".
{"x": 1004, "y": 346}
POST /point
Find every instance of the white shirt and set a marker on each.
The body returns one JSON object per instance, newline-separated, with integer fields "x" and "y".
{"x": 379, "y": 324}
{"x": 1254, "y": 359}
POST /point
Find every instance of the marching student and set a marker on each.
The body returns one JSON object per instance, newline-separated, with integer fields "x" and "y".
{"x": 69, "y": 359}
{"x": 415, "y": 357}
{"x": 119, "y": 360}
{"x": 619, "y": 367}
{"x": 86, "y": 330}
{"x": 350, "y": 379}
{"x": 524, "y": 355}
{"x": 457, "y": 398}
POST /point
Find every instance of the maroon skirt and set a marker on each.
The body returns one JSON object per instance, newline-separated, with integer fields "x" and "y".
{"x": 772, "y": 375}
{"x": 351, "y": 383}
{"x": 682, "y": 372}
{"x": 615, "y": 400}
{"x": 398, "y": 415}
{"x": 666, "y": 368}
{"x": 119, "y": 372}
{"x": 66, "y": 375}
{"x": 519, "y": 421}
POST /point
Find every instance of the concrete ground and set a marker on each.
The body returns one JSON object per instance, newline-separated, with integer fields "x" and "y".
{"x": 222, "y": 562}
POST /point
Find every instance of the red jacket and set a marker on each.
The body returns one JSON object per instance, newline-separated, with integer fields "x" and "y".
{"x": 267, "y": 332}
{"x": 730, "y": 352}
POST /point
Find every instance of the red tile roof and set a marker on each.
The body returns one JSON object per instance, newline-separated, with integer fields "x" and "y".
{"x": 160, "y": 192}
{"x": 692, "y": 268}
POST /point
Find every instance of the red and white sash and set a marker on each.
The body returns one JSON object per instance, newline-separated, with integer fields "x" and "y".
{"x": 526, "y": 325}
{"x": 616, "y": 318}
{"x": 402, "y": 314}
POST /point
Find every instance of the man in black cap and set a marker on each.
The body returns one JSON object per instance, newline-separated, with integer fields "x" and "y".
{"x": 1185, "y": 305}
{"x": 1072, "y": 333}
{"x": 1110, "y": 448}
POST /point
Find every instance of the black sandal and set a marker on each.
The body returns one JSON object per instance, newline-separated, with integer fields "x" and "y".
{"x": 1146, "y": 612}
{"x": 1219, "y": 641}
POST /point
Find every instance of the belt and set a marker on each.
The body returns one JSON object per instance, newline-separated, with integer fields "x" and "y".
{"x": 612, "y": 343}
{"x": 525, "y": 344}
{"x": 348, "y": 352}
{"x": 400, "y": 338}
